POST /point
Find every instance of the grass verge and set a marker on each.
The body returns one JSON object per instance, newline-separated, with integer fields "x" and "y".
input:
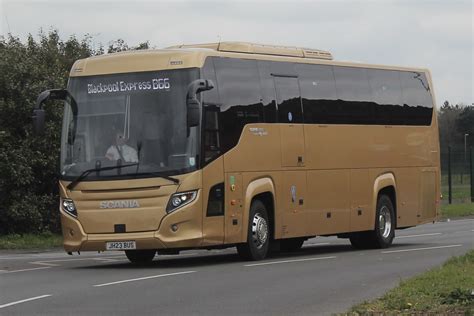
{"x": 30, "y": 241}
{"x": 457, "y": 210}
{"x": 460, "y": 193}
{"x": 446, "y": 290}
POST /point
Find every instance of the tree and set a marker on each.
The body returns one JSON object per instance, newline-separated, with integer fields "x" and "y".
{"x": 447, "y": 120}
{"x": 29, "y": 164}
{"x": 119, "y": 45}
{"x": 465, "y": 124}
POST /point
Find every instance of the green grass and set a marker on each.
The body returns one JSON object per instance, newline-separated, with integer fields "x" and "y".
{"x": 444, "y": 290}
{"x": 460, "y": 193}
{"x": 30, "y": 241}
{"x": 457, "y": 210}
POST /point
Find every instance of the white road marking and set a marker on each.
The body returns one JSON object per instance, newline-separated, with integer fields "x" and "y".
{"x": 51, "y": 264}
{"x": 52, "y": 256}
{"x": 317, "y": 244}
{"x": 25, "y": 300}
{"x": 418, "y": 249}
{"x": 23, "y": 270}
{"x": 44, "y": 264}
{"x": 107, "y": 260}
{"x": 459, "y": 220}
{"x": 48, "y": 263}
{"x": 17, "y": 258}
{"x": 287, "y": 261}
{"x": 144, "y": 278}
{"x": 421, "y": 235}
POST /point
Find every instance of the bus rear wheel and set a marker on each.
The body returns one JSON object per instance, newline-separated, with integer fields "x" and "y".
{"x": 258, "y": 235}
{"x": 140, "y": 256}
{"x": 384, "y": 233}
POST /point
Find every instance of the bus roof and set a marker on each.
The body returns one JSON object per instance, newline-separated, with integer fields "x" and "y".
{"x": 189, "y": 56}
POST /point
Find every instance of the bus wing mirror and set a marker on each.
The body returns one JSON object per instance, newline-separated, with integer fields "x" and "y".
{"x": 193, "y": 106}
{"x": 39, "y": 115}
{"x": 193, "y": 113}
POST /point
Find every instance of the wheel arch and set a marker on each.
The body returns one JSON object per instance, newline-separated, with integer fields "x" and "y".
{"x": 384, "y": 184}
{"x": 262, "y": 189}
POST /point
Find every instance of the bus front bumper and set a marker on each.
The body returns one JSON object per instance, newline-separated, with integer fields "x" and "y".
{"x": 188, "y": 235}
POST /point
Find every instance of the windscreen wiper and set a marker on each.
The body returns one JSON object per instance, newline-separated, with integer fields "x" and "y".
{"x": 158, "y": 174}
{"x": 85, "y": 173}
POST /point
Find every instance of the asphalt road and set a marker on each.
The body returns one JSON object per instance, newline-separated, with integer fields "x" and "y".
{"x": 326, "y": 276}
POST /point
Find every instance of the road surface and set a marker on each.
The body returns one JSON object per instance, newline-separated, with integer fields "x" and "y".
{"x": 326, "y": 276}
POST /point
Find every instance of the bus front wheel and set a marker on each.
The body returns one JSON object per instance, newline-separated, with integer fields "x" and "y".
{"x": 258, "y": 235}
{"x": 140, "y": 256}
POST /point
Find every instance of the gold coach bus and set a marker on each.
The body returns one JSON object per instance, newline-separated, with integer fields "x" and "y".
{"x": 240, "y": 144}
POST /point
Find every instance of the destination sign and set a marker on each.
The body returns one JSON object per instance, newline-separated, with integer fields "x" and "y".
{"x": 128, "y": 86}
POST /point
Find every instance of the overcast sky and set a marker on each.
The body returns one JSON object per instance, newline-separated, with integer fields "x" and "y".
{"x": 438, "y": 35}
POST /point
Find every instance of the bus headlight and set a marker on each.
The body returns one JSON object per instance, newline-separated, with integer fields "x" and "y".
{"x": 69, "y": 207}
{"x": 178, "y": 200}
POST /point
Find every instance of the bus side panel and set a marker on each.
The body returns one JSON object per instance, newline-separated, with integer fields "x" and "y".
{"x": 408, "y": 196}
{"x": 428, "y": 195}
{"x": 360, "y": 200}
{"x": 328, "y": 201}
{"x": 366, "y": 146}
{"x": 234, "y": 206}
{"x": 258, "y": 149}
{"x": 212, "y": 226}
{"x": 294, "y": 211}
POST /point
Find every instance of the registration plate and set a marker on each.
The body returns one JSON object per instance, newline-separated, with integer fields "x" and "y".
{"x": 120, "y": 245}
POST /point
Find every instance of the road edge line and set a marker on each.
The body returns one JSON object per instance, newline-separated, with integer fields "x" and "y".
{"x": 287, "y": 261}
{"x": 25, "y": 300}
{"x": 419, "y": 249}
{"x": 143, "y": 278}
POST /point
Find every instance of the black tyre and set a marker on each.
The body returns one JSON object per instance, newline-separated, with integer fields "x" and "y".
{"x": 384, "y": 233}
{"x": 140, "y": 256}
{"x": 258, "y": 236}
{"x": 291, "y": 244}
{"x": 359, "y": 240}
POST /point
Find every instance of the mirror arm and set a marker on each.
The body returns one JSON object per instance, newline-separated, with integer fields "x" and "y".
{"x": 53, "y": 94}
{"x": 198, "y": 86}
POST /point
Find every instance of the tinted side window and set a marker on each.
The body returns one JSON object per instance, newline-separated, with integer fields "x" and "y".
{"x": 288, "y": 100}
{"x": 387, "y": 94}
{"x": 210, "y": 146}
{"x": 417, "y": 99}
{"x": 354, "y": 96}
{"x": 208, "y": 72}
{"x": 268, "y": 91}
{"x": 240, "y": 98}
{"x": 318, "y": 93}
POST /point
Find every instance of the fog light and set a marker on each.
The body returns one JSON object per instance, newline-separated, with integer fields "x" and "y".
{"x": 174, "y": 227}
